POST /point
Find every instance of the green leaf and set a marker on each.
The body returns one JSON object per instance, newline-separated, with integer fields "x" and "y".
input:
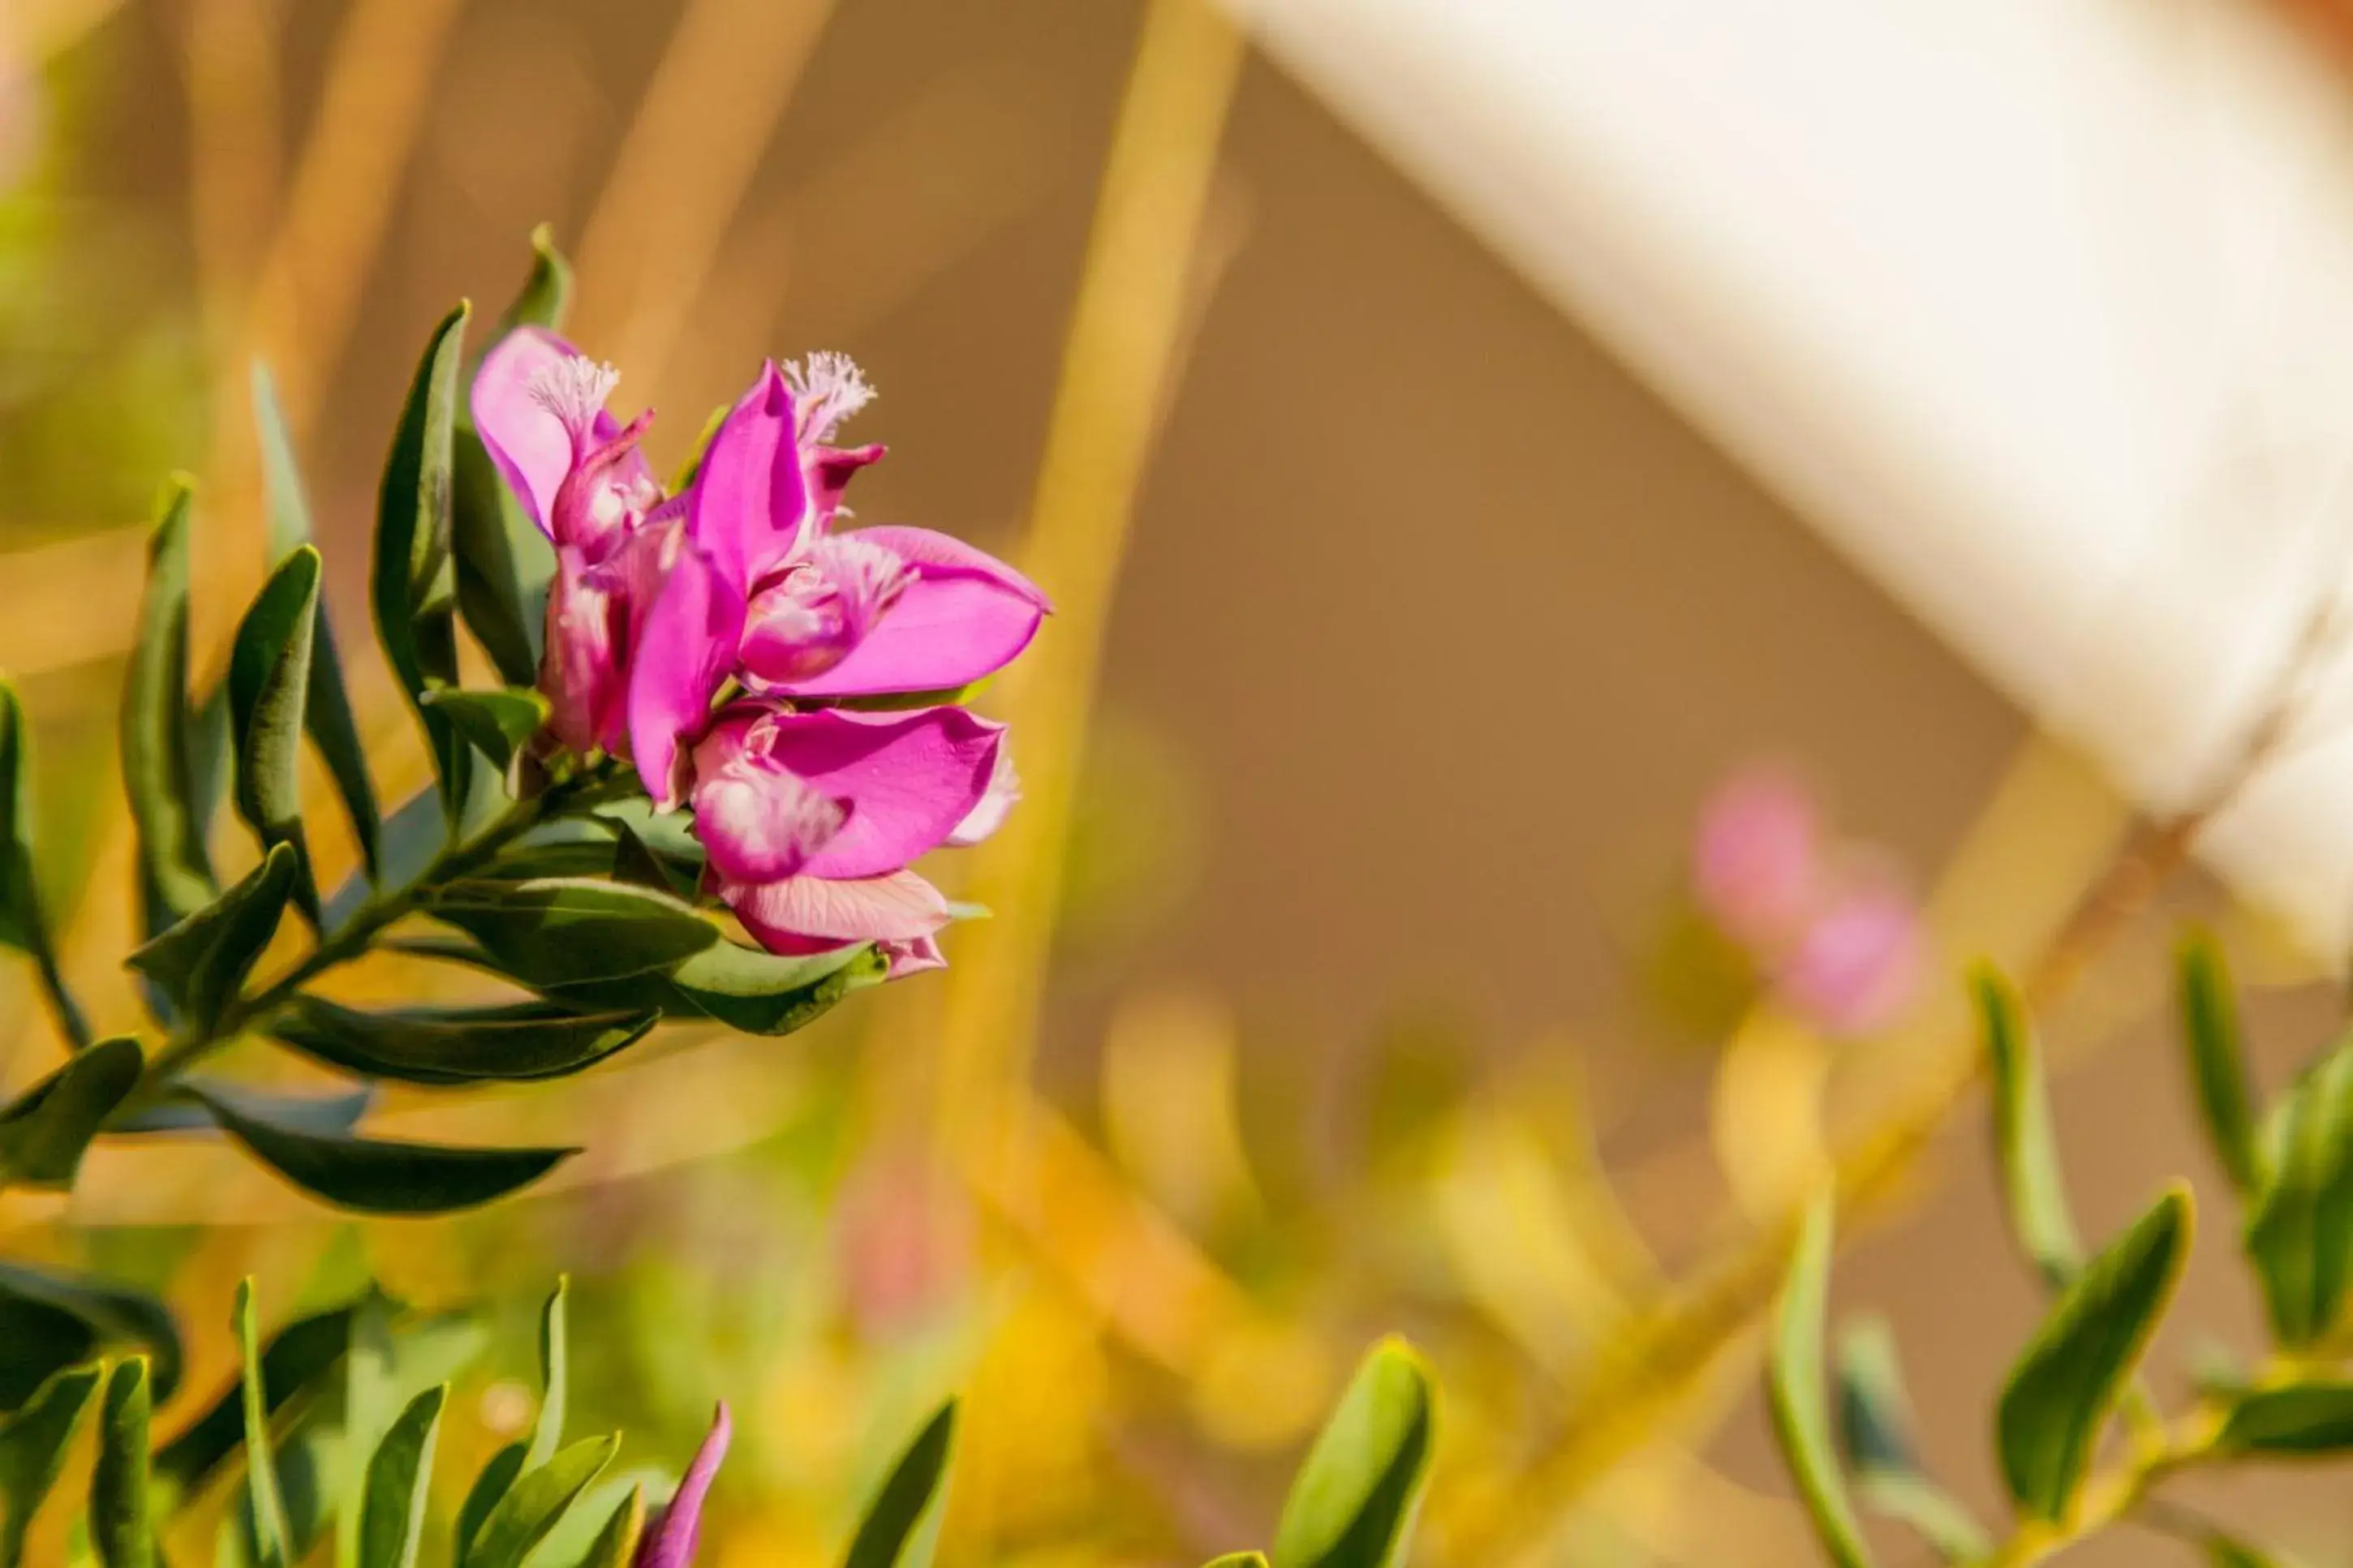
{"x": 2296, "y": 1420}
{"x": 324, "y": 1113}
{"x": 156, "y": 749}
{"x": 125, "y": 1534}
{"x": 414, "y": 586}
{"x": 33, "y": 1451}
{"x": 1239, "y": 1560}
{"x": 1352, "y": 1504}
{"x": 1874, "y": 1431}
{"x": 546, "y": 294}
{"x": 2024, "y": 1149}
{"x": 2218, "y": 1057}
{"x": 50, "y": 1318}
{"x": 689, "y": 471}
{"x": 295, "y": 1364}
{"x": 2299, "y": 1229}
{"x": 615, "y": 1544}
{"x": 554, "y": 1373}
{"x": 23, "y": 924}
{"x": 557, "y": 930}
{"x": 497, "y": 723}
{"x": 1794, "y": 1395}
{"x": 2063, "y": 1388}
{"x": 201, "y": 962}
{"x": 2226, "y": 1552}
{"x": 328, "y": 712}
{"x": 516, "y": 1042}
{"x": 538, "y": 1499}
{"x": 902, "y": 1527}
{"x": 399, "y": 1485}
{"x": 489, "y": 1488}
{"x": 272, "y": 1539}
{"x": 752, "y": 991}
{"x": 377, "y": 1175}
{"x": 43, "y": 1130}
{"x": 268, "y": 689}
{"x": 640, "y": 865}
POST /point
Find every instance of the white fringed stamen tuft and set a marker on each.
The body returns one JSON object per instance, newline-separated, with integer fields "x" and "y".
{"x": 868, "y": 577}
{"x": 829, "y": 388}
{"x": 574, "y": 389}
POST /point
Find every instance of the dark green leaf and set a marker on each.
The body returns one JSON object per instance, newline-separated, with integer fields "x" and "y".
{"x": 399, "y": 1484}
{"x": 156, "y": 750}
{"x": 1875, "y": 1439}
{"x": 201, "y": 962}
{"x": 2299, "y": 1231}
{"x": 616, "y": 1545}
{"x": 2223, "y": 1552}
{"x": 561, "y": 930}
{"x": 752, "y": 991}
{"x": 33, "y": 1450}
{"x": 496, "y": 723}
{"x": 320, "y": 1114}
{"x": 272, "y": 1541}
{"x": 546, "y": 294}
{"x": 2302, "y": 1420}
{"x": 23, "y": 924}
{"x": 1352, "y": 1504}
{"x": 692, "y": 467}
{"x": 556, "y": 1376}
{"x": 1794, "y": 1398}
{"x": 2218, "y": 1057}
{"x": 512, "y": 1043}
{"x": 296, "y": 1365}
{"x": 414, "y": 833}
{"x": 379, "y": 1176}
{"x": 125, "y": 1534}
{"x": 489, "y": 1489}
{"x": 639, "y": 865}
{"x": 414, "y": 587}
{"x": 40, "y": 1306}
{"x": 268, "y": 692}
{"x": 2063, "y": 1388}
{"x": 538, "y": 1499}
{"x": 902, "y": 1527}
{"x": 328, "y": 712}
{"x": 2024, "y": 1149}
{"x": 44, "y": 1131}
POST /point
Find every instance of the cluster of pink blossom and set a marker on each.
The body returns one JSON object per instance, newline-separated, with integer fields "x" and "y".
{"x": 722, "y": 638}
{"x": 1833, "y": 930}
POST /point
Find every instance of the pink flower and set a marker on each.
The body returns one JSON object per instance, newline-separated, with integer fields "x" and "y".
{"x": 1755, "y": 860}
{"x": 671, "y": 1539}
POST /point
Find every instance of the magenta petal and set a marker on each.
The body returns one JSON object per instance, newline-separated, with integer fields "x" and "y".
{"x": 832, "y": 468}
{"x": 757, "y": 821}
{"x": 750, "y": 507}
{"x": 937, "y": 554}
{"x": 685, "y": 651}
{"x": 787, "y": 916}
{"x": 526, "y": 441}
{"x": 945, "y": 632}
{"x": 670, "y": 1540}
{"x": 910, "y": 779}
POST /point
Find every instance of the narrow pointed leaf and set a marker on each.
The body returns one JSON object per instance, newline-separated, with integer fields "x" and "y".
{"x": 399, "y": 1485}
{"x": 1352, "y": 1503}
{"x": 43, "y": 1130}
{"x": 752, "y": 991}
{"x": 639, "y": 865}
{"x": 121, "y": 1527}
{"x": 616, "y": 1545}
{"x": 327, "y": 714}
{"x": 2299, "y": 1230}
{"x": 489, "y": 1489}
{"x": 538, "y": 1499}
{"x": 2297, "y": 1420}
{"x": 555, "y": 1376}
{"x": 563, "y": 930}
{"x": 296, "y": 1365}
{"x": 269, "y": 694}
{"x": 901, "y": 1526}
{"x": 2228, "y": 1551}
{"x": 23, "y": 924}
{"x": 496, "y": 723}
{"x": 2218, "y": 1058}
{"x": 2063, "y": 1388}
{"x": 1876, "y": 1442}
{"x": 2024, "y": 1149}
{"x": 156, "y": 749}
{"x": 310, "y": 1113}
{"x": 414, "y": 586}
{"x": 377, "y": 1175}
{"x": 546, "y": 294}
{"x": 510, "y": 1042}
{"x": 1239, "y": 1560}
{"x": 1794, "y": 1398}
{"x": 201, "y": 962}
{"x": 73, "y": 1316}
{"x": 416, "y": 832}
{"x": 33, "y": 1451}
{"x": 272, "y": 1539}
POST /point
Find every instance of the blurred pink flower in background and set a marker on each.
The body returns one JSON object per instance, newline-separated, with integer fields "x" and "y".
{"x": 1832, "y": 930}
{"x": 904, "y": 1242}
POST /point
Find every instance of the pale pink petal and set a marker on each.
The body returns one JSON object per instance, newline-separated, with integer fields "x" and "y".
{"x": 806, "y": 621}
{"x": 910, "y": 779}
{"x": 670, "y": 1540}
{"x": 580, "y": 671}
{"x": 1003, "y": 792}
{"x": 528, "y": 442}
{"x": 1858, "y": 965}
{"x": 756, "y": 821}
{"x": 683, "y": 655}
{"x": 1756, "y": 857}
{"x": 790, "y": 915}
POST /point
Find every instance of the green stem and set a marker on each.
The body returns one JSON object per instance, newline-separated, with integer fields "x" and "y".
{"x": 2107, "y": 1498}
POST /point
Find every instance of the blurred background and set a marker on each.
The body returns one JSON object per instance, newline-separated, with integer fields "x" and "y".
{"x": 1604, "y": 553}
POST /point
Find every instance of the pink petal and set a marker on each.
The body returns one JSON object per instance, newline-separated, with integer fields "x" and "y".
{"x": 580, "y": 673}
{"x": 1756, "y": 857}
{"x": 941, "y": 555}
{"x": 1858, "y": 965}
{"x": 946, "y": 632}
{"x": 791, "y": 915}
{"x": 684, "y": 652}
{"x": 750, "y": 507}
{"x": 670, "y": 1540}
{"x": 758, "y": 823}
{"x": 910, "y": 779}
{"x": 996, "y": 803}
{"x": 526, "y": 441}
{"x": 831, "y": 469}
